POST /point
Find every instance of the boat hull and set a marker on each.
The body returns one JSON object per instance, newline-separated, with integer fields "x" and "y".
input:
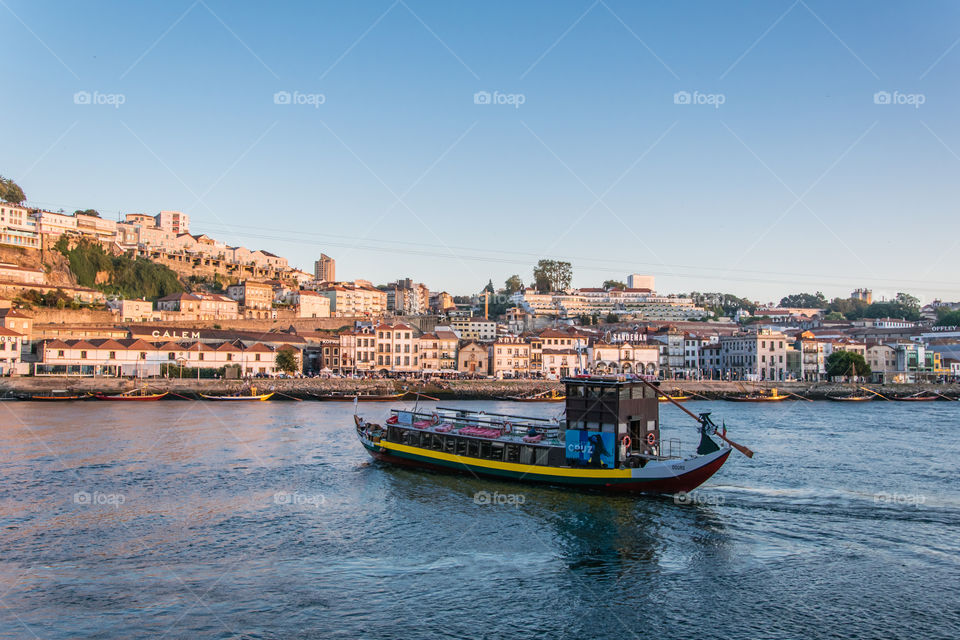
{"x": 260, "y": 398}
{"x": 149, "y": 398}
{"x": 669, "y": 477}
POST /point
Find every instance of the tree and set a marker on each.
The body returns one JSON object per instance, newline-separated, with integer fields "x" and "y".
{"x": 907, "y": 301}
{"x": 87, "y": 212}
{"x": 584, "y": 320}
{"x": 612, "y": 318}
{"x": 614, "y": 284}
{"x": 513, "y": 284}
{"x": 804, "y": 301}
{"x": 489, "y": 288}
{"x": 950, "y": 319}
{"x": 847, "y": 363}
{"x": 552, "y": 275}
{"x": 286, "y": 361}
{"x": 10, "y": 191}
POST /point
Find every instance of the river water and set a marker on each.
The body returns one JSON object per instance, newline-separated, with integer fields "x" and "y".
{"x": 268, "y": 520}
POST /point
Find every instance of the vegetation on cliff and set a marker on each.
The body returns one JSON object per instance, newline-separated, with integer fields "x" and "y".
{"x": 120, "y": 275}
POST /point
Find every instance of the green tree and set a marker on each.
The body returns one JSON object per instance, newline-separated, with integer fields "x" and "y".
{"x": 87, "y": 212}
{"x": 804, "y": 301}
{"x": 552, "y": 275}
{"x": 10, "y": 191}
{"x": 612, "y": 318}
{"x": 513, "y": 284}
{"x": 614, "y": 284}
{"x": 286, "y": 361}
{"x": 489, "y": 288}
{"x": 908, "y": 301}
{"x": 126, "y": 277}
{"x": 949, "y": 319}
{"x": 584, "y": 320}
{"x": 846, "y": 363}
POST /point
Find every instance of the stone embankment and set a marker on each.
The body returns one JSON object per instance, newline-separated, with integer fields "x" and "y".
{"x": 309, "y": 388}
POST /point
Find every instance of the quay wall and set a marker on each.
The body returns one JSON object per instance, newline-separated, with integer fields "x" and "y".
{"x": 453, "y": 389}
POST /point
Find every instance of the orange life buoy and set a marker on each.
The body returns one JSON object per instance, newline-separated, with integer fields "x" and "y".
{"x": 626, "y": 441}
{"x": 651, "y": 439}
{"x": 435, "y": 418}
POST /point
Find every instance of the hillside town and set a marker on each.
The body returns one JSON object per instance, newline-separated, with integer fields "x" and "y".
{"x": 246, "y": 306}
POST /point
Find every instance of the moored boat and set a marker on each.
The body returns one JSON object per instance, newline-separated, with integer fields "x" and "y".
{"x": 850, "y": 398}
{"x": 773, "y": 396}
{"x": 60, "y": 395}
{"x": 610, "y": 441}
{"x": 253, "y": 396}
{"x": 137, "y": 395}
{"x": 544, "y": 396}
{"x": 360, "y": 397}
{"x": 676, "y": 395}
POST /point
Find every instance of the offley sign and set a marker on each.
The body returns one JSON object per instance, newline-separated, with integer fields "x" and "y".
{"x": 167, "y": 333}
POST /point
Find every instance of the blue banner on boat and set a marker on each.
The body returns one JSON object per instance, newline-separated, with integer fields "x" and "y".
{"x": 590, "y": 448}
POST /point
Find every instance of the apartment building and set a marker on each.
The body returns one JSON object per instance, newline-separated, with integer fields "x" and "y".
{"x": 355, "y": 299}
{"x": 475, "y": 328}
{"x": 255, "y": 298}
{"x": 325, "y": 269}
{"x": 510, "y": 357}
{"x": 310, "y": 304}
{"x": 175, "y": 222}
{"x": 438, "y": 350}
{"x": 398, "y": 348}
{"x": 17, "y": 228}
{"x": 759, "y": 355}
{"x": 196, "y": 306}
{"x": 11, "y": 347}
{"x": 53, "y": 224}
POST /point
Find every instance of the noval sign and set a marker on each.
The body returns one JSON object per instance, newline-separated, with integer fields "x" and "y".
{"x": 166, "y": 333}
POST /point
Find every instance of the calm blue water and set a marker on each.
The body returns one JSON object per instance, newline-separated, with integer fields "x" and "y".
{"x": 268, "y": 520}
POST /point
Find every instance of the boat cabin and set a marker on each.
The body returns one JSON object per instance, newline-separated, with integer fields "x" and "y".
{"x": 618, "y": 417}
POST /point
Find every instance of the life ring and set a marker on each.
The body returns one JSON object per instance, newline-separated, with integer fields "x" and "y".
{"x": 507, "y": 427}
{"x": 392, "y": 420}
{"x": 651, "y": 439}
{"x": 626, "y": 441}
{"x": 435, "y": 418}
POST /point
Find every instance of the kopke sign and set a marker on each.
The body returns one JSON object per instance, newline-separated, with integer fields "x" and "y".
{"x": 166, "y": 333}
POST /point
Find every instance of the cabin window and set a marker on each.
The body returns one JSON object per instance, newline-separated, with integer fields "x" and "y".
{"x": 449, "y": 444}
{"x": 512, "y": 453}
{"x": 542, "y": 455}
{"x": 526, "y": 455}
{"x": 473, "y": 448}
{"x": 461, "y": 446}
{"x": 485, "y": 450}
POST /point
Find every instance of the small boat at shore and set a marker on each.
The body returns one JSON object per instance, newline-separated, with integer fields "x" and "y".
{"x": 253, "y": 396}
{"x": 676, "y": 395}
{"x": 60, "y": 395}
{"x": 850, "y": 398}
{"x": 610, "y": 441}
{"x": 773, "y": 396}
{"x": 360, "y": 397}
{"x": 551, "y": 395}
{"x": 137, "y": 395}
{"x": 914, "y": 398}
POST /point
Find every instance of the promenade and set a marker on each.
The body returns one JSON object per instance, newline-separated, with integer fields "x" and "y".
{"x": 307, "y": 388}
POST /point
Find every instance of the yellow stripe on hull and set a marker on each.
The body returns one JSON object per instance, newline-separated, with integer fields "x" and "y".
{"x": 514, "y": 467}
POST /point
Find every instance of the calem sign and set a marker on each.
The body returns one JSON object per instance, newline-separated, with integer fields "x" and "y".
{"x": 166, "y": 333}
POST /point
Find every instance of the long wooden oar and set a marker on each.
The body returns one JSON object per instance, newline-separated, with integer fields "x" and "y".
{"x": 423, "y": 395}
{"x": 286, "y": 396}
{"x": 739, "y": 447}
{"x": 180, "y": 396}
{"x": 875, "y": 393}
{"x": 947, "y": 397}
{"x": 796, "y": 396}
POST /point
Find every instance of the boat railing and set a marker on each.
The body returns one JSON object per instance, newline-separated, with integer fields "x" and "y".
{"x": 673, "y": 448}
{"x": 518, "y": 424}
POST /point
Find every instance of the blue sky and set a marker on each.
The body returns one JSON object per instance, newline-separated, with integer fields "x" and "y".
{"x": 798, "y": 180}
